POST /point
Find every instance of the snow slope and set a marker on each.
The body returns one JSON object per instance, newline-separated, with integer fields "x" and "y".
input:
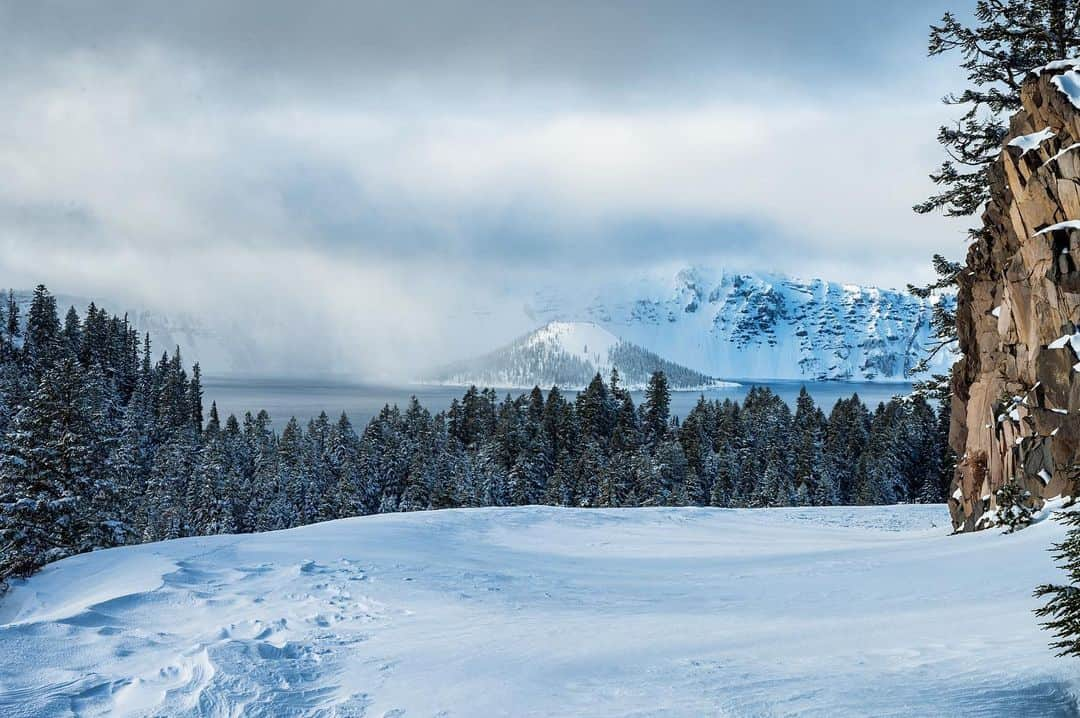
{"x": 757, "y": 326}
{"x": 568, "y": 354}
{"x": 548, "y": 612}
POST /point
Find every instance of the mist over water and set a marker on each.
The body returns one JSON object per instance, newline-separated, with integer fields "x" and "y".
{"x": 305, "y": 398}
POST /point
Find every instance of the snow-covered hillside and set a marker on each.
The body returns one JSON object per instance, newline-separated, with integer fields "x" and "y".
{"x": 548, "y": 612}
{"x": 758, "y": 325}
{"x": 568, "y": 354}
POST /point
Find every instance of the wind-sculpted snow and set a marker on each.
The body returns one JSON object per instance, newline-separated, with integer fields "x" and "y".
{"x": 547, "y": 612}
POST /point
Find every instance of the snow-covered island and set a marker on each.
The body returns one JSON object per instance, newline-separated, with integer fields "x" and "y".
{"x": 569, "y": 355}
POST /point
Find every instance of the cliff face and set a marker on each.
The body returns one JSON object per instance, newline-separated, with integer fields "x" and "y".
{"x": 757, "y": 325}
{"x": 1016, "y": 405}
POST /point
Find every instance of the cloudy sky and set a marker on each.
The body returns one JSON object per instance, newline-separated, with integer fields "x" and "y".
{"x": 382, "y": 166}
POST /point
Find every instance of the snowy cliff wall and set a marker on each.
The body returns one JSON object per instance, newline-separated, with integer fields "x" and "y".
{"x": 1016, "y": 409}
{"x": 758, "y": 326}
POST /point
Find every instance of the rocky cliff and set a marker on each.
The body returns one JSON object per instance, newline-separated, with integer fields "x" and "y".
{"x": 1016, "y": 406}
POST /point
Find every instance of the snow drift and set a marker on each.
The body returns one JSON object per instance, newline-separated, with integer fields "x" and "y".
{"x": 548, "y": 612}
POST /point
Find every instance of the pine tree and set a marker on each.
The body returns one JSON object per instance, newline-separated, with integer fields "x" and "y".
{"x": 211, "y": 511}
{"x": 671, "y": 472}
{"x": 560, "y": 422}
{"x": 269, "y": 508}
{"x": 12, "y": 329}
{"x": 942, "y": 328}
{"x": 195, "y": 397}
{"x": 590, "y": 465}
{"x": 595, "y": 410}
{"x": 101, "y": 434}
{"x": 937, "y": 487}
{"x": 536, "y": 409}
{"x": 42, "y": 345}
{"x": 344, "y": 456}
{"x": 470, "y": 426}
{"x": 615, "y": 482}
{"x": 559, "y": 490}
{"x": 693, "y": 434}
{"x": 809, "y": 430}
{"x": 168, "y": 486}
{"x": 777, "y": 486}
{"x": 657, "y": 408}
{"x": 172, "y": 397}
{"x": 492, "y": 481}
{"x": 529, "y": 475}
{"x": 1063, "y": 607}
{"x": 213, "y": 424}
{"x": 719, "y": 468}
{"x": 293, "y": 471}
{"x": 46, "y": 484}
{"x": 924, "y": 453}
{"x": 72, "y": 333}
{"x": 846, "y": 437}
{"x": 92, "y": 348}
{"x": 451, "y": 476}
{"x": 1014, "y": 508}
{"x": 880, "y": 467}
{"x": 1008, "y": 39}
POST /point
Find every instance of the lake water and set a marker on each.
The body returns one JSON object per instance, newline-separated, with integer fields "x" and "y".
{"x": 305, "y": 398}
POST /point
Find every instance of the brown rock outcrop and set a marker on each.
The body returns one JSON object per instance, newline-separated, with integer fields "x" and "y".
{"x": 1016, "y": 404}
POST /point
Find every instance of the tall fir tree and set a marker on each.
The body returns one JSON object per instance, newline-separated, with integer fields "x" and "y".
{"x": 1062, "y": 608}
{"x": 656, "y": 408}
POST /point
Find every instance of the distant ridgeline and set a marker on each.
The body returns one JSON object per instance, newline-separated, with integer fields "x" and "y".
{"x": 102, "y": 445}
{"x": 740, "y": 324}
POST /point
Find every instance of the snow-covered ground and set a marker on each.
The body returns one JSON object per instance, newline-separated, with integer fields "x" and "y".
{"x": 548, "y": 612}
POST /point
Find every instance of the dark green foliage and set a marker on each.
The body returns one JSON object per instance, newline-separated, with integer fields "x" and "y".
{"x": 1063, "y": 607}
{"x": 42, "y": 345}
{"x": 1007, "y": 39}
{"x": 525, "y": 360}
{"x": 47, "y": 475}
{"x": 657, "y": 408}
{"x": 942, "y": 325}
{"x": 1014, "y": 509}
{"x": 640, "y": 364}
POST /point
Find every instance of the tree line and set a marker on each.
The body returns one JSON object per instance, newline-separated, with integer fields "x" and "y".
{"x": 102, "y": 445}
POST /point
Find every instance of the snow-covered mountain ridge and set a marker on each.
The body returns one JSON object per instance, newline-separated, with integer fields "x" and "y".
{"x": 757, "y": 326}
{"x": 716, "y": 323}
{"x": 568, "y": 354}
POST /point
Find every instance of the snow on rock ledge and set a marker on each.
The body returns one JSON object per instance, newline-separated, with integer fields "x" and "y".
{"x": 1017, "y": 388}
{"x": 1027, "y": 143}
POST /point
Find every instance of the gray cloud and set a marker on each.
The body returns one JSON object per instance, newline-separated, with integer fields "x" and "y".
{"x": 384, "y": 156}
{"x": 628, "y": 46}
